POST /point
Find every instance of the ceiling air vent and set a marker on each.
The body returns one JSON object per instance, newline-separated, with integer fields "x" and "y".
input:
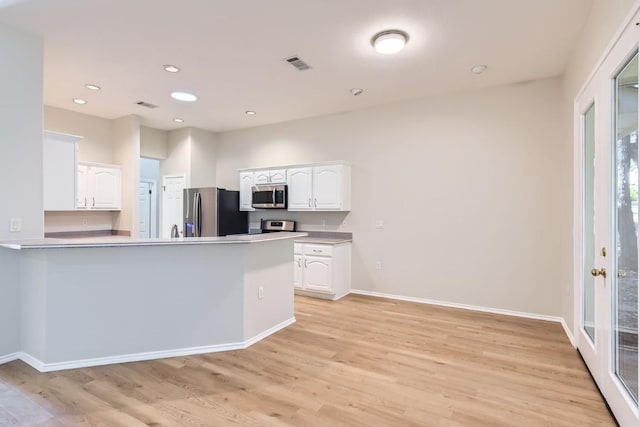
{"x": 146, "y": 104}
{"x": 298, "y": 63}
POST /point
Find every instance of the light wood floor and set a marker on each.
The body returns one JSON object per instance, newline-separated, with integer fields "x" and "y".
{"x": 360, "y": 361}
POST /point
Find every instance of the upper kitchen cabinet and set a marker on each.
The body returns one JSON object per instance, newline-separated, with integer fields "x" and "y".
{"x": 270, "y": 176}
{"x": 246, "y": 182}
{"x": 99, "y": 187}
{"x": 322, "y": 187}
{"x": 59, "y": 171}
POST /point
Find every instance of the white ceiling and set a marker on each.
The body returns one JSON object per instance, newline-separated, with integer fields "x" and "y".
{"x": 231, "y": 53}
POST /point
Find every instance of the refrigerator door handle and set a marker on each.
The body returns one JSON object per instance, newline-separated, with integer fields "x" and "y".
{"x": 197, "y": 214}
{"x": 187, "y": 214}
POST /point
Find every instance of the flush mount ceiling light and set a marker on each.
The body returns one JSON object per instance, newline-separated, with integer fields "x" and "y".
{"x": 250, "y": 113}
{"x": 184, "y": 96}
{"x": 79, "y": 101}
{"x": 390, "y": 41}
{"x": 479, "y": 69}
{"x": 171, "y": 68}
{"x": 178, "y": 120}
{"x": 92, "y": 87}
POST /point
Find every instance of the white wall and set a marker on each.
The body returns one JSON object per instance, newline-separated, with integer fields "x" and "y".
{"x": 126, "y": 153}
{"x": 203, "y": 158}
{"x": 20, "y": 162}
{"x": 178, "y": 161}
{"x": 153, "y": 143}
{"x": 465, "y": 185}
{"x": 96, "y": 144}
{"x": 604, "y": 20}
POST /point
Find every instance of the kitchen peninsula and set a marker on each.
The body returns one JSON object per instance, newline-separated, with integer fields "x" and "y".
{"x": 91, "y": 302}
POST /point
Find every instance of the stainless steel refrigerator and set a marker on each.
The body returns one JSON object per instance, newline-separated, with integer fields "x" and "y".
{"x": 212, "y": 211}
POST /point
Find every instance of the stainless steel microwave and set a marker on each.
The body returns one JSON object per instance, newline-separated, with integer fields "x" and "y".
{"x": 269, "y": 196}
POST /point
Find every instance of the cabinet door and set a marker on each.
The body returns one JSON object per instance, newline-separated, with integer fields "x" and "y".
{"x": 278, "y": 176}
{"x": 246, "y": 182}
{"x": 82, "y": 198}
{"x": 300, "y": 187}
{"x": 327, "y": 187}
{"x": 105, "y": 187}
{"x": 59, "y": 172}
{"x": 298, "y": 266}
{"x": 317, "y": 273}
{"x": 261, "y": 177}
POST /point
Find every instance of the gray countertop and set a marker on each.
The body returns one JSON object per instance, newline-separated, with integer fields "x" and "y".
{"x": 120, "y": 241}
{"x": 323, "y": 240}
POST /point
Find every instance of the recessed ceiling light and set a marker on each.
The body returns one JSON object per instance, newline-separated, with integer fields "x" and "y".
{"x": 79, "y": 101}
{"x": 250, "y": 113}
{"x": 356, "y": 91}
{"x": 92, "y": 87}
{"x": 389, "y": 41}
{"x": 184, "y": 96}
{"x": 479, "y": 69}
{"x": 178, "y": 120}
{"x": 171, "y": 68}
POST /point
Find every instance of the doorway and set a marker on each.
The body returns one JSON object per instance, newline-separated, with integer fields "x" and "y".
{"x": 606, "y": 210}
{"x": 172, "y": 188}
{"x": 148, "y": 197}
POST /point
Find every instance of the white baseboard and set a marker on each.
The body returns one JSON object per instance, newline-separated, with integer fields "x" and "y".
{"x": 9, "y": 358}
{"x": 568, "y": 332}
{"x": 472, "y": 308}
{"x": 152, "y": 355}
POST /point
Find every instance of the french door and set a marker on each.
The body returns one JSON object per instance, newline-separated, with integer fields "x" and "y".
{"x": 606, "y": 206}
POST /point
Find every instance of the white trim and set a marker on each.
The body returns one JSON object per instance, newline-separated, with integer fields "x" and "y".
{"x": 152, "y": 355}
{"x": 9, "y": 358}
{"x": 568, "y": 332}
{"x": 471, "y": 308}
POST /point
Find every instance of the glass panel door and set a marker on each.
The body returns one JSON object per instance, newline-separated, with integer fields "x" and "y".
{"x": 588, "y": 226}
{"x": 625, "y": 281}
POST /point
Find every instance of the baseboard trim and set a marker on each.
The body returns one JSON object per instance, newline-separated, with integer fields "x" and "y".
{"x": 152, "y": 355}
{"x": 471, "y": 308}
{"x": 9, "y": 357}
{"x": 567, "y": 331}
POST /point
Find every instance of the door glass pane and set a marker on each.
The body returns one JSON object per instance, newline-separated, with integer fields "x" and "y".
{"x": 625, "y": 279}
{"x": 588, "y": 238}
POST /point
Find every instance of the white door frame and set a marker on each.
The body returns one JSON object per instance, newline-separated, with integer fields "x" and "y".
{"x": 599, "y": 88}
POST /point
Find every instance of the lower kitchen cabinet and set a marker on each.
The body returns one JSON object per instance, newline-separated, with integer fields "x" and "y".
{"x": 322, "y": 270}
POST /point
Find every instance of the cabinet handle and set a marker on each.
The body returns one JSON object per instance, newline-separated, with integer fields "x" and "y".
{"x": 315, "y": 203}
{"x": 305, "y": 263}
{"x": 85, "y": 202}
{"x": 94, "y": 202}
{"x": 300, "y": 262}
{"x": 309, "y": 201}
{"x": 317, "y": 250}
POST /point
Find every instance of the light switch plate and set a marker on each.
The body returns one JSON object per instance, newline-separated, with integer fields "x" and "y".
{"x": 15, "y": 225}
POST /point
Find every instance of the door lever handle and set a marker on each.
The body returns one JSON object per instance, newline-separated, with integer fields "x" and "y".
{"x": 602, "y": 272}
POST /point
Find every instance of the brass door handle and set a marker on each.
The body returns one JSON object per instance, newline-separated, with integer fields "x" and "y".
{"x": 602, "y": 272}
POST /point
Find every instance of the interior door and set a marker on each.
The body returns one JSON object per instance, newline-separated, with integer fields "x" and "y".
{"x": 172, "y": 189}
{"x": 607, "y": 212}
{"x": 144, "y": 197}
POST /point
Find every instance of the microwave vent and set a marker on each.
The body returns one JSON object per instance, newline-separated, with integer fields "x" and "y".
{"x": 298, "y": 63}
{"x": 146, "y": 104}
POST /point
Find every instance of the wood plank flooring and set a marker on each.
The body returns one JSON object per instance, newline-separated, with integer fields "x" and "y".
{"x": 360, "y": 361}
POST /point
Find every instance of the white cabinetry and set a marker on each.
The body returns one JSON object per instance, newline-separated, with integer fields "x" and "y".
{"x": 322, "y": 270}
{"x": 323, "y": 187}
{"x": 58, "y": 171}
{"x": 246, "y": 182}
{"x": 270, "y": 176}
{"x": 99, "y": 187}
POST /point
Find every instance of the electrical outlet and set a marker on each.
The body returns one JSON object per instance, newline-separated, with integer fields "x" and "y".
{"x": 261, "y": 292}
{"x": 85, "y": 222}
{"x": 380, "y": 224}
{"x": 15, "y": 225}
{"x": 378, "y": 265}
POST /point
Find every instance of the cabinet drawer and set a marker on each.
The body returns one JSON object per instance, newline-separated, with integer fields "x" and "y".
{"x": 297, "y": 248}
{"x": 318, "y": 250}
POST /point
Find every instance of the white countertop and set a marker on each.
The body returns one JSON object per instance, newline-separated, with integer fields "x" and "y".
{"x": 323, "y": 240}
{"x": 115, "y": 241}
